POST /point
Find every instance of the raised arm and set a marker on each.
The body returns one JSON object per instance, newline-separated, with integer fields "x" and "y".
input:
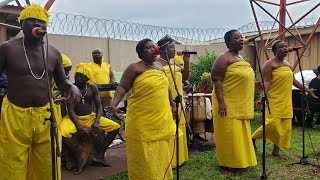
{"x": 218, "y": 72}
{"x": 186, "y": 71}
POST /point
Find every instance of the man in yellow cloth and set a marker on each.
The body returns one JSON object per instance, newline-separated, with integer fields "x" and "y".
{"x": 149, "y": 122}
{"x": 233, "y": 109}
{"x": 103, "y": 74}
{"x": 24, "y": 132}
{"x": 167, "y": 52}
{"x": 278, "y": 79}
{"x": 81, "y": 116}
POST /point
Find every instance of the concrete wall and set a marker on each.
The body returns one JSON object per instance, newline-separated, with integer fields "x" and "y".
{"x": 121, "y": 53}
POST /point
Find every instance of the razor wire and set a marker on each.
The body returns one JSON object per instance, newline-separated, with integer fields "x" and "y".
{"x": 78, "y": 25}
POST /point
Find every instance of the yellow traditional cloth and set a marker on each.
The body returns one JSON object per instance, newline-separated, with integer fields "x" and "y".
{"x": 34, "y": 11}
{"x": 25, "y": 142}
{"x": 178, "y": 59}
{"x": 101, "y": 75}
{"x": 67, "y": 127}
{"x": 149, "y": 126}
{"x": 183, "y": 148}
{"x": 85, "y": 69}
{"x": 232, "y": 133}
{"x": 278, "y": 123}
{"x": 66, "y": 62}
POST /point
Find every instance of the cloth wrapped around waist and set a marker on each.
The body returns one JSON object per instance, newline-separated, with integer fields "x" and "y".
{"x": 280, "y": 93}
{"x": 149, "y": 116}
{"x": 238, "y": 91}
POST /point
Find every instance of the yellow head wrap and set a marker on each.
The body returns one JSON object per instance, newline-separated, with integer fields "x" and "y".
{"x": 178, "y": 59}
{"x": 66, "y": 62}
{"x": 84, "y": 68}
{"x": 34, "y": 11}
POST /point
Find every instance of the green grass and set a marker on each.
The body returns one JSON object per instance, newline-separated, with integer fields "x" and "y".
{"x": 204, "y": 166}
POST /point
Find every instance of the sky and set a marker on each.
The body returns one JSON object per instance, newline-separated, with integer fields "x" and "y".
{"x": 177, "y": 14}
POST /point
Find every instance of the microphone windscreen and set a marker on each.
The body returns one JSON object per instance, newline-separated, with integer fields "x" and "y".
{"x": 156, "y": 50}
{"x": 34, "y": 31}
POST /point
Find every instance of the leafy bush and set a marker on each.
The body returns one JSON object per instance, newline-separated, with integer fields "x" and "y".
{"x": 202, "y": 65}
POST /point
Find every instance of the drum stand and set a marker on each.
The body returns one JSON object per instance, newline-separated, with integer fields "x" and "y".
{"x": 55, "y": 151}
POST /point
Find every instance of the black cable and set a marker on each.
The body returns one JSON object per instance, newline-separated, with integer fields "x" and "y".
{"x": 174, "y": 148}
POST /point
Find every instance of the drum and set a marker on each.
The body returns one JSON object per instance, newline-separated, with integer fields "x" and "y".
{"x": 197, "y": 126}
{"x": 198, "y": 103}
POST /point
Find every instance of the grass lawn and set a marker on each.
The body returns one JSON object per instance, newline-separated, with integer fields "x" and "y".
{"x": 204, "y": 166}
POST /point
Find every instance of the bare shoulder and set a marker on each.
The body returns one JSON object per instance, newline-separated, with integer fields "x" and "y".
{"x": 268, "y": 63}
{"x": 55, "y": 50}
{"x": 223, "y": 57}
{"x": 11, "y": 43}
{"x": 93, "y": 87}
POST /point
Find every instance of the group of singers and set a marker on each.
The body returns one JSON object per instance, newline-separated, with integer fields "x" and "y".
{"x": 150, "y": 127}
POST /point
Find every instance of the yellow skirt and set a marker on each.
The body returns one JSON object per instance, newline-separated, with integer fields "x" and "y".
{"x": 183, "y": 147}
{"x": 234, "y": 146}
{"x": 278, "y": 131}
{"x": 148, "y": 160}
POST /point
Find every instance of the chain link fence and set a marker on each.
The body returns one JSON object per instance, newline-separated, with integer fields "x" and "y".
{"x": 70, "y": 24}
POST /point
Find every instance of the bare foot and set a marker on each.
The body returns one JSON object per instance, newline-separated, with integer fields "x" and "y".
{"x": 276, "y": 151}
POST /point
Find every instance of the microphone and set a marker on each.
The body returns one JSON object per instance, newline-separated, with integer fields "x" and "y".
{"x": 37, "y": 32}
{"x": 292, "y": 48}
{"x": 247, "y": 41}
{"x": 179, "y": 53}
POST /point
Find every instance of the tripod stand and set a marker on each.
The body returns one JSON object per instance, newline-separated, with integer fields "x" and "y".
{"x": 304, "y": 108}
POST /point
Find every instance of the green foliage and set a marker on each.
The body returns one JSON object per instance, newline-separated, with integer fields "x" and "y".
{"x": 201, "y": 66}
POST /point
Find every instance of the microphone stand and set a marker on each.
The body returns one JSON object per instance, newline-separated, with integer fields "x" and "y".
{"x": 264, "y": 102}
{"x": 53, "y": 125}
{"x": 178, "y": 100}
{"x": 304, "y": 107}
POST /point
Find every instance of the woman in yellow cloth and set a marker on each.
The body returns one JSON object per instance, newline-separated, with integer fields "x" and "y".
{"x": 167, "y": 53}
{"x": 149, "y": 123}
{"x": 278, "y": 79}
{"x": 103, "y": 74}
{"x": 233, "y": 106}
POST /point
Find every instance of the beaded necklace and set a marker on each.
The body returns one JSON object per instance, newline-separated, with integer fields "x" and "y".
{"x": 237, "y": 55}
{"x": 25, "y": 54}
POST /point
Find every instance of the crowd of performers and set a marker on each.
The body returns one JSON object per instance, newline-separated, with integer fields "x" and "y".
{"x": 153, "y": 83}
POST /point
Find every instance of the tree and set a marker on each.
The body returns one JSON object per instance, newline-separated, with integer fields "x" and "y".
{"x": 202, "y": 65}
